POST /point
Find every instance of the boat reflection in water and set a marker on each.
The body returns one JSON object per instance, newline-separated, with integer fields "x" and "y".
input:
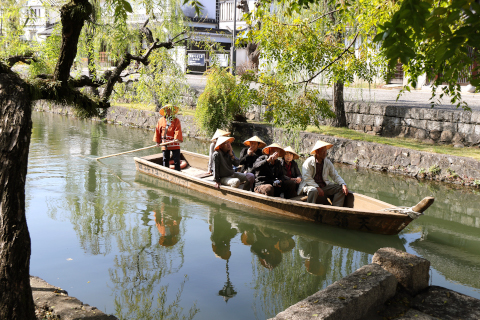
{"x": 293, "y": 259}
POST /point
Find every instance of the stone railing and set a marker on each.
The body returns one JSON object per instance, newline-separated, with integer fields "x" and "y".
{"x": 435, "y": 125}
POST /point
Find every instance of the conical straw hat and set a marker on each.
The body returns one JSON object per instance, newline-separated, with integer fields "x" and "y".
{"x": 290, "y": 149}
{"x": 173, "y": 108}
{"x": 221, "y": 140}
{"x": 272, "y": 148}
{"x": 321, "y": 144}
{"x": 261, "y": 144}
{"x": 220, "y": 133}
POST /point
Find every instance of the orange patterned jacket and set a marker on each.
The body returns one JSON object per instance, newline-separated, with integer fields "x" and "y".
{"x": 173, "y": 132}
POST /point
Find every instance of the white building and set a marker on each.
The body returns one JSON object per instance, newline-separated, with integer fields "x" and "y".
{"x": 39, "y": 17}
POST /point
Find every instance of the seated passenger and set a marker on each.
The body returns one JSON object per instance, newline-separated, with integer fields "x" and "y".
{"x": 316, "y": 172}
{"x": 290, "y": 169}
{"x": 218, "y": 133}
{"x": 223, "y": 161}
{"x": 249, "y": 155}
{"x": 269, "y": 178}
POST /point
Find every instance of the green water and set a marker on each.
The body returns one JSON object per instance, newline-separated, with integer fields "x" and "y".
{"x": 140, "y": 248}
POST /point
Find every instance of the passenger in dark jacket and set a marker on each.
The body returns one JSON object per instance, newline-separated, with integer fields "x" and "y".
{"x": 290, "y": 168}
{"x": 223, "y": 161}
{"x": 249, "y": 155}
{"x": 269, "y": 177}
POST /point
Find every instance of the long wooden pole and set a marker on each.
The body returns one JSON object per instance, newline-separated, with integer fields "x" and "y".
{"x": 117, "y": 154}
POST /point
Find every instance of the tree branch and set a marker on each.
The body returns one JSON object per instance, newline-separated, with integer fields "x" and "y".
{"x": 85, "y": 105}
{"x": 85, "y": 81}
{"x": 317, "y": 18}
{"x": 332, "y": 62}
{"x": 73, "y": 16}
{"x": 115, "y": 75}
{"x": 11, "y": 61}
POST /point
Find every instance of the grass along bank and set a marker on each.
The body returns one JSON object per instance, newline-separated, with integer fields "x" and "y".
{"x": 409, "y": 143}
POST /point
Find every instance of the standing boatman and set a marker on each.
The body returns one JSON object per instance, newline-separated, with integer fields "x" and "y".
{"x": 169, "y": 130}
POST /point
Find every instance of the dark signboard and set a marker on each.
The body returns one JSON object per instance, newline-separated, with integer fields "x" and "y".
{"x": 196, "y": 59}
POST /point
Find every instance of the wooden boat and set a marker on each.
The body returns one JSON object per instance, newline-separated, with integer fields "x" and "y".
{"x": 362, "y": 213}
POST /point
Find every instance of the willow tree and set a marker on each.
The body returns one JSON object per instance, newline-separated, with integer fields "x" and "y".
{"x": 49, "y": 77}
{"x": 327, "y": 40}
{"x": 438, "y": 38}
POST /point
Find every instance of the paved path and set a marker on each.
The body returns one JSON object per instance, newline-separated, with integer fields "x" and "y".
{"x": 416, "y": 98}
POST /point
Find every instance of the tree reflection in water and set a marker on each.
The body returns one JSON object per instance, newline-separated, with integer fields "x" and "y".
{"x": 222, "y": 233}
{"x": 138, "y": 272}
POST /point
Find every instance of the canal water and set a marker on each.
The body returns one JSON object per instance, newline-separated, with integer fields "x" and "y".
{"x": 140, "y": 248}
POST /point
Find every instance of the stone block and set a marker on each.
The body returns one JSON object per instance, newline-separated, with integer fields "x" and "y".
{"x": 472, "y": 139}
{"x": 378, "y": 121}
{"x": 377, "y": 110}
{"x": 349, "y": 298}
{"x": 434, "y": 125}
{"x": 390, "y": 111}
{"x": 466, "y": 117}
{"x": 413, "y": 314}
{"x": 450, "y": 126}
{"x": 368, "y": 128}
{"x": 435, "y": 135}
{"x": 417, "y": 113}
{"x": 444, "y": 115}
{"x": 359, "y": 127}
{"x": 420, "y": 134}
{"x": 350, "y": 107}
{"x": 368, "y": 119}
{"x": 421, "y": 124}
{"x": 475, "y": 117}
{"x": 466, "y": 128}
{"x": 477, "y": 129}
{"x": 364, "y": 108}
{"x": 430, "y": 114}
{"x": 456, "y": 116}
{"x": 446, "y": 136}
{"x": 458, "y": 137}
{"x": 443, "y": 303}
{"x": 411, "y": 272}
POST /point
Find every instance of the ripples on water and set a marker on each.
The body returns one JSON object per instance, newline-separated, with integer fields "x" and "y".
{"x": 138, "y": 247}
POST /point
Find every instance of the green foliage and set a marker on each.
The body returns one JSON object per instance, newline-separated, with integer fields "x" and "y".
{"x": 12, "y": 42}
{"x": 222, "y": 99}
{"x": 434, "y": 170}
{"x": 438, "y": 38}
{"x": 303, "y": 41}
{"x": 288, "y": 107}
{"x": 47, "y": 54}
{"x": 159, "y": 83}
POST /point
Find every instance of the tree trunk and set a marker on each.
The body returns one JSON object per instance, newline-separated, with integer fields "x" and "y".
{"x": 338, "y": 106}
{"x": 73, "y": 16}
{"x": 16, "y": 301}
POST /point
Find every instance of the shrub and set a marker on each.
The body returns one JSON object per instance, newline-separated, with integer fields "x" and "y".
{"x": 222, "y": 100}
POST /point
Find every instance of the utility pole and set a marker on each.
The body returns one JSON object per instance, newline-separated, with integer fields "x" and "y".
{"x": 234, "y": 52}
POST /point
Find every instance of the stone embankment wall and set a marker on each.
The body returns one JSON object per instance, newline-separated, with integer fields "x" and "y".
{"x": 417, "y": 164}
{"x": 435, "y": 125}
{"x": 381, "y": 157}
